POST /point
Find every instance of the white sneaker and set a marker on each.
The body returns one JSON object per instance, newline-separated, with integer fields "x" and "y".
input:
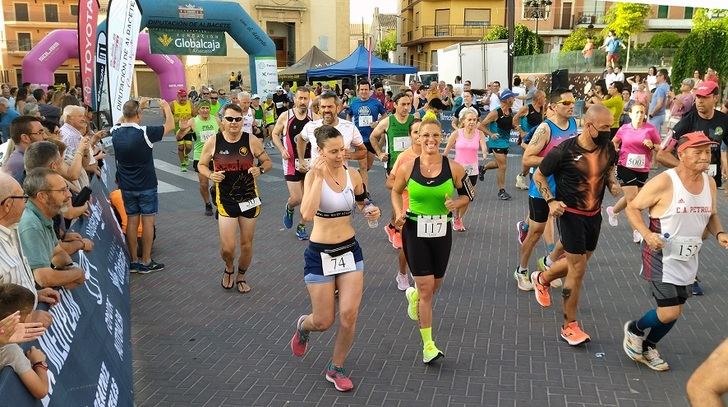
{"x": 613, "y": 221}
{"x": 556, "y": 283}
{"x": 636, "y": 236}
{"x": 521, "y": 182}
{"x": 523, "y": 280}
{"x": 402, "y": 282}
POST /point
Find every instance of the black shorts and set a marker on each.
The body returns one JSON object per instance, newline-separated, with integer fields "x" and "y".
{"x": 498, "y": 150}
{"x": 269, "y": 124}
{"x": 668, "y": 295}
{"x": 195, "y": 162}
{"x": 579, "y": 233}
{"x": 190, "y": 137}
{"x": 231, "y": 209}
{"x": 368, "y": 145}
{"x": 426, "y": 256}
{"x": 538, "y": 210}
{"x": 473, "y": 179}
{"x": 628, "y": 177}
{"x": 297, "y": 177}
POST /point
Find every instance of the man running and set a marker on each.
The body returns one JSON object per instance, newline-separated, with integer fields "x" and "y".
{"x": 288, "y": 126}
{"x": 497, "y": 125}
{"x": 396, "y": 128}
{"x": 235, "y": 192}
{"x": 548, "y": 135}
{"x": 205, "y": 126}
{"x": 682, "y": 204}
{"x": 365, "y": 113}
{"x": 582, "y": 167}
{"x": 182, "y": 112}
{"x": 525, "y": 122}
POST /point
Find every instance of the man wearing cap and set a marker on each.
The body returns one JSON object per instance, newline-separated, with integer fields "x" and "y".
{"x": 182, "y": 111}
{"x": 280, "y": 98}
{"x": 682, "y": 206}
{"x": 205, "y": 126}
{"x": 497, "y": 125}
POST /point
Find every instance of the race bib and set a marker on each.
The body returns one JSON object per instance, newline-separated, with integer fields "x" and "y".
{"x": 338, "y": 264}
{"x": 635, "y": 161}
{"x": 365, "y": 121}
{"x": 279, "y": 105}
{"x": 205, "y": 135}
{"x": 712, "y": 170}
{"x": 298, "y": 163}
{"x": 401, "y": 143}
{"x": 684, "y": 248}
{"x": 471, "y": 169}
{"x": 431, "y": 226}
{"x": 247, "y": 205}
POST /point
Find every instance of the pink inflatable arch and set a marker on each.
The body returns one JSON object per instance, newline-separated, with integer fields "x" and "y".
{"x": 61, "y": 45}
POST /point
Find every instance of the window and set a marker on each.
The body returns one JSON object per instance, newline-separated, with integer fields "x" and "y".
{"x": 417, "y": 20}
{"x": 442, "y": 21}
{"x": 477, "y": 17}
{"x": 531, "y": 13}
{"x": 662, "y": 11}
{"x": 51, "y": 13}
{"x": 21, "y": 12}
{"x": 24, "y": 42}
{"x": 688, "y": 13}
{"x": 74, "y": 9}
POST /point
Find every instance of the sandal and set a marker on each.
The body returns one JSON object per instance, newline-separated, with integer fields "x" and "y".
{"x": 243, "y": 286}
{"x": 222, "y": 283}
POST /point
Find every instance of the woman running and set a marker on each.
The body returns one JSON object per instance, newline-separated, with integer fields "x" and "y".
{"x": 468, "y": 139}
{"x": 333, "y": 259}
{"x": 426, "y": 231}
{"x": 635, "y": 143}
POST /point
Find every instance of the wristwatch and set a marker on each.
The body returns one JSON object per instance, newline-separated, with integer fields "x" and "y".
{"x": 262, "y": 171}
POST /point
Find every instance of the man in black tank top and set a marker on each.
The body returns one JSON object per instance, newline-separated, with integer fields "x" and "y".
{"x": 534, "y": 113}
{"x": 235, "y": 191}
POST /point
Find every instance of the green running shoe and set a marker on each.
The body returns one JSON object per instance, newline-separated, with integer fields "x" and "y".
{"x": 430, "y": 353}
{"x": 413, "y": 301}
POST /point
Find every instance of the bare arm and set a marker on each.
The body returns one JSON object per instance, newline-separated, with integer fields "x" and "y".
{"x": 36, "y": 379}
{"x": 276, "y": 136}
{"x": 664, "y": 155}
{"x": 540, "y": 139}
{"x": 312, "y": 191}
{"x": 301, "y": 149}
{"x": 400, "y": 183}
{"x": 360, "y": 152}
{"x": 458, "y": 173}
{"x": 649, "y": 197}
{"x": 377, "y": 133}
{"x": 709, "y": 382}
{"x": 490, "y": 118}
{"x": 256, "y": 146}
{"x": 205, "y": 157}
{"x": 168, "y": 117}
{"x": 450, "y": 143}
{"x": 517, "y": 119}
{"x": 714, "y": 224}
{"x": 543, "y": 185}
{"x": 69, "y": 278}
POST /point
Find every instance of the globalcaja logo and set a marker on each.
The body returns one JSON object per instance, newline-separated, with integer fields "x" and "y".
{"x": 165, "y": 40}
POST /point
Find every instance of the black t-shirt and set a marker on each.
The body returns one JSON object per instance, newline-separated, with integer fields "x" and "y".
{"x": 581, "y": 175}
{"x": 461, "y": 107}
{"x": 716, "y": 129}
{"x": 280, "y": 101}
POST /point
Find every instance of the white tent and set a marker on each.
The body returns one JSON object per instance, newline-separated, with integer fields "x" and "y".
{"x": 682, "y": 3}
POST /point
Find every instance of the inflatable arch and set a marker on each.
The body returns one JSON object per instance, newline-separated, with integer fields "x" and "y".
{"x": 61, "y": 45}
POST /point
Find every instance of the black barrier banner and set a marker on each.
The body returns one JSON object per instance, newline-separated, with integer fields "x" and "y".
{"x": 88, "y": 345}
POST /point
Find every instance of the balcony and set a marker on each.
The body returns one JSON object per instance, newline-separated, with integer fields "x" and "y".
{"x": 427, "y": 33}
{"x": 19, "y": 46}
{"x": 586, "y": 18}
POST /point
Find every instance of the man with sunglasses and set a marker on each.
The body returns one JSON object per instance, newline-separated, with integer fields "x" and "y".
{"x": 215, "y": 104}
{"x": 182, "y": 110}
{"x": 24, "y": 130}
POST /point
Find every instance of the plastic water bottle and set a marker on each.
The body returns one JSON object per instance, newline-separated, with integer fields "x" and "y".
{"x": 665, "y": 245}
{"x": 368, "y": 205}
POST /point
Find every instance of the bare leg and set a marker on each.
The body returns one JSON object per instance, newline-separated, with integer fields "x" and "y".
{"x": 147, "y": 237}
{"x": 204, "y": 188}
{"x": 132, "y": 225}
{"x": 572, "y": 286}
{"x": 350, "y": 287}
{"x": 535, "y": 230}
{"x": 501, "y": 175}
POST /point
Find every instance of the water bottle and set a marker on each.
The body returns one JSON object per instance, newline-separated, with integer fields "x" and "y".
{"x": 368, "y": 205}
{"x": 665, "y": 245}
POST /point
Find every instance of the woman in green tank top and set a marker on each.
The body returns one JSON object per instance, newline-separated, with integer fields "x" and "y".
{"x": 431, "y": 181}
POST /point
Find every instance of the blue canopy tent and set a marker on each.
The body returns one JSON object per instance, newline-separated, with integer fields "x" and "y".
{"x": 357, "y": 64}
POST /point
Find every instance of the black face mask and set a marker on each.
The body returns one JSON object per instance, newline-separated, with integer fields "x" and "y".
{"x": 602, "y": 137}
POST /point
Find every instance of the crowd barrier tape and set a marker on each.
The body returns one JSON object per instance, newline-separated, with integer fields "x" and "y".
{"x": 88, "y": 345}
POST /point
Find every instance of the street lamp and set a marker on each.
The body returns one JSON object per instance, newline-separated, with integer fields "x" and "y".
{"x": 537, "y": 9}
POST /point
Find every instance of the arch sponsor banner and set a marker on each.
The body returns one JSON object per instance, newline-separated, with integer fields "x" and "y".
{"x": 87, "y": 20}
{"x": 121, "y": 45}
{"x": 187, "y": 42}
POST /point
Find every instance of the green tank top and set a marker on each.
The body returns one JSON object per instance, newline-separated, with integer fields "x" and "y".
{"x": 427, "y": 195}
{"x": 204, "y": 129}
{"x": 398, "y": 138}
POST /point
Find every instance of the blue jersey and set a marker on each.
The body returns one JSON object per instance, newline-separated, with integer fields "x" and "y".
{"x": 364, "y": 113}
{"x": 557, "y": 136}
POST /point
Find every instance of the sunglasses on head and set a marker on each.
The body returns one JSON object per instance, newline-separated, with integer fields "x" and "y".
{"x": 236, "y": 119}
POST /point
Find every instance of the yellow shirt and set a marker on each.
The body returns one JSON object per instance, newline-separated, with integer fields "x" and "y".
{"x": 615, "y": 105}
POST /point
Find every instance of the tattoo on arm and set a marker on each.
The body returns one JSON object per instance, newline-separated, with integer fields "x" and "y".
{"x": 539, "y": 134}
{"x": 544, "y": 190}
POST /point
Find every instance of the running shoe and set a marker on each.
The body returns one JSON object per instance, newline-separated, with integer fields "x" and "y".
{"x": 301, "y": 232}
{"x": 613, "y": 221}
{"x": 337, "y": 376}
{"x": 573, "y": 334}
{"x": 697, "y": 289}
{"x": 402, "y": 282}
{"x": 413, "y": 302}
{"x": 390, "y": 231}
{"x": 208, "y": 210}
{"x": 524, "y": 283}
{"x": 503, "y": 195}
{"x": 151, "y": 267}
{"x": 636, "y": 237}
{"x": 299, "y": 342}
{"x": 522, "y": 228}
{"x": 556, "y": 283}
{"x": 632, "y": 343}
{"x": 430, "y": 353}
{"x": 521, "y": 182}
{"x": 134, "y": 267}
{"x": 541, "y": 291}
{"x": 457, "y": 225}
{"x": 397, "y": 240}
{"x": 541, "y": 264}
{"x": 288, "y": 217}
{"x": 481, "y": 172}
{"x": 651, "y": 358}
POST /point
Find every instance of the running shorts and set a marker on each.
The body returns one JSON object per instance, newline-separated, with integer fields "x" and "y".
{"x": 668, "y": 295}
{"x": 313, "y": 272}
{"x": 231, "y": 209}
{"x": 579, "y": 233}
{"x": 630, "y": 178}
{"x": 498, "y": 150}
{"x": 538, "y": 210}
{"x": 426, "y": 256}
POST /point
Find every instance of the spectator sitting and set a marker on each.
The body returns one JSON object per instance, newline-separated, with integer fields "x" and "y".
{"x": 50, "y": 261}
{"x": 24, "y": 130}
{"x": 30, "y": 366}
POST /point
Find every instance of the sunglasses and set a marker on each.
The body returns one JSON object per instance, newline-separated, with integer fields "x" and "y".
{"x": 213, "y": 98}
{"x": 205, "y": 93}
{"x": 236, "y": 119}
{"x": 566, "y": 102}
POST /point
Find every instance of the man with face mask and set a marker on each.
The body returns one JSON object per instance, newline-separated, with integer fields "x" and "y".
{"x": 583, "y": 167}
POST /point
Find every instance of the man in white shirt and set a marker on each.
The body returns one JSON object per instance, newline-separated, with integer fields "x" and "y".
{"x": 520, "y": 92}
{"x": 610, "y": 76}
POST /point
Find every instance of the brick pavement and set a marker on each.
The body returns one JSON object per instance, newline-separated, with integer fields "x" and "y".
{"x": 196, "y": 344}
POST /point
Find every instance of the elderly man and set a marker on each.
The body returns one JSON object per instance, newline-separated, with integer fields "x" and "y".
{"x": 7, "y": 115}
{"x": 75, "y": 126}
{"x": 244, "y": 102}
{"x": 51, "y": 263}
{"x": 24, "y": 130}
{"x": 14, "y": 267}
{"x": 137, "y": 178}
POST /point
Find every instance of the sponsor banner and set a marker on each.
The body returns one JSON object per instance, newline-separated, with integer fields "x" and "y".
{"x": 121, "y": 44}
{"x": 88, "y": 345}
{"x": 100, "y": 90}
{"x": 187, "y": 42}
{"x": 88, "y": 12}
{"x": 266, "y": 75}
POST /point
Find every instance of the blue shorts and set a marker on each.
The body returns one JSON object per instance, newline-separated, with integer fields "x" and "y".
{"x": 140, "y": 202}
{"x": 313, "y": 272}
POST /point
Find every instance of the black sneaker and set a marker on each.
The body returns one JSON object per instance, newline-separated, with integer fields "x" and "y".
{"x": 208, "y": 210}
{"x": 151, "y": 267}
{"x": 481, "y": 172}
{"x": 503, "y": 195}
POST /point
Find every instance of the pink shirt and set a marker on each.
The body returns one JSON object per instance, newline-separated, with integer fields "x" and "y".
{"x": 687, "y": 104}
{"x": 466, "y": 150}
{"x": 632, "y": 153}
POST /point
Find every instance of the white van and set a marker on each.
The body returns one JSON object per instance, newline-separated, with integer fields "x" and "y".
{"x": 424, "y": 77}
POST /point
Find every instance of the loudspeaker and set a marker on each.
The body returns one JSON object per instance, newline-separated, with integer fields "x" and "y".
{"x": 559, "y": 79}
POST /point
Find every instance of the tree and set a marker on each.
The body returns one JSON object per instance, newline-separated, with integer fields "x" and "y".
{"x": 705, "y": 46}
{"x": 665, "y": 39}
{"x": 525, "y": 41}
{"x": 577, "y": 39}
{"x": 388, "y": 43}
{"x": 626, "y": 19}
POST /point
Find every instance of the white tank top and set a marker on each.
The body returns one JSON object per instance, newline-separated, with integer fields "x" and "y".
{"x": 681, "y": 226}
{"x": 336, "y": 204}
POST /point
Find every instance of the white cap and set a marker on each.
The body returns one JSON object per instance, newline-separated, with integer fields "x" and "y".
{"x": 255, "y": 96}
{"x": 279, "y": 88}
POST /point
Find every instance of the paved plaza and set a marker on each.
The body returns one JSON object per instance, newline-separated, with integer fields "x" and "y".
{"x": 196, "y": 344}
